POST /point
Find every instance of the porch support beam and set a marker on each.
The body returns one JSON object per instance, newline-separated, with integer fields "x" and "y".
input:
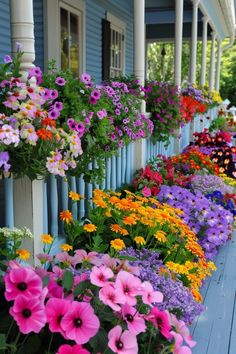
{"x": 205, "y": 21}
{"x": 219, "y": 52}
{"x": 194, "y": 42}
{"x": 212, "y": 64}
{"x": 179, "y": 8}
{"x": 22, "y": 30}
{"x": 139, "y": 72}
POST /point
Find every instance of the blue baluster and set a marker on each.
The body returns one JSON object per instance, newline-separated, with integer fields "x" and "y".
{"x": 82, "y": 201}
{"x": 90, "y": 187}
{"x": 9, "y": 203}
{"x": 54, "y": 206}
{"x": 147, "y": 149}
{"x": 123, "y": 164}
{"x": 118, "y": 168}
{"x": 128, "y": 164}
{"x": 108, "y": 174}
{"x": 64, "y": 193}
{"x": 132, "y": 163}
{"x": 74, "y": 207}
{"x": 113, "y": 173}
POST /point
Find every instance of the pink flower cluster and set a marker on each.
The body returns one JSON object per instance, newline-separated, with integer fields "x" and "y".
{"x": 110, "y": 284}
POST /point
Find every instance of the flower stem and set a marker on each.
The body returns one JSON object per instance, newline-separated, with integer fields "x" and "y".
{"x": 50, "y": 343}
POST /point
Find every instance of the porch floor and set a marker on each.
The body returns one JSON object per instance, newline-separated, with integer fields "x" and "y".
{"x": 215, "y": 330}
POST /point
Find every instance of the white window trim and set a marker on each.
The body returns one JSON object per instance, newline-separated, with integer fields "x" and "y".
{"x": 52, "y": 29}
{"x": 116, "y": 23}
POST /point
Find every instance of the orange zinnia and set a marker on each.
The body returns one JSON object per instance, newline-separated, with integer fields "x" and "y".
{"x": 66, "y": 216}
{"x": 44, "y": 134}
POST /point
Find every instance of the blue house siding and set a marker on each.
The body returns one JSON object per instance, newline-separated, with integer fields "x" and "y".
{"x": 5, "y": 29}
{"x": 95, "y": 11}
{"x": 38, "y": 32}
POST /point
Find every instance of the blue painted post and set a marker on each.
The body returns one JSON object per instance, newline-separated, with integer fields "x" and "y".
{"x": 128, "y": 164}
{"x": 118, "y": 168}
{"x": 132, "y": 162}
{"x": 82, "y": 201}
{"x": 147, "y": 149}
{"x": 8, "y": 194}
{"x": 64, "y": 193}
{"x": 90, "y": 187}
{"x": 123, "y": 164}
{"x": 113, "y": 173}
{"x": 151, "y": 150}
{"x": 74, "y": 208}
{"x": 54, "y": 206}
{"x": 45, "y": 208}
{"x": 108, "y": 173}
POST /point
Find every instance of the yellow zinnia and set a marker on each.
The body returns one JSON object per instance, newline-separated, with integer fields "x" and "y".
{"x": 23, "y": 254}
{"x": 75, "y": 196}
{"x": 65, "y": 247}
{"x": 46, "y": 238}
{"x": 117, "y": 244}
{"x": 90, "y": 227}
{"x": 140, "y": 240}
{"x": 66, "y": 216}
{"x": 160, "y": 236}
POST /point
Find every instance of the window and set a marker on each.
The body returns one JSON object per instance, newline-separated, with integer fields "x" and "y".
{"x": 117, "y": 46}
{"x": 70, "y": 43}
{"x": 64, "y": 34}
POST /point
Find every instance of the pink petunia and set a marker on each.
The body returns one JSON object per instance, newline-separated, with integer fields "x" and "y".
{"x": 55, "y": 310}
{"x": 146, "y": 191}
{"x": 128, "y": 287}
{"x": 122, "y": 342}
{"x": 74, "y": 349}
{"x": 178, "y": 348}
{"x": 22, "y": 281}
{"x": 161, "y": 321}
{"x": 29, "y": 314}
{"x": 183, "y": 330}
{"x": 135, "y": 323}
{"x": 80, "y": 323}
{"x": 108, "y": 295}
{"x": 149, "y": 295}
{"x": 100, "y": 275}
{"x": 91, "y": 257}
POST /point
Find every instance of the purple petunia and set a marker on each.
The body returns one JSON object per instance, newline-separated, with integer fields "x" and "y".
{"x": 7, "y": 59}
{"x": 60, "y": 81}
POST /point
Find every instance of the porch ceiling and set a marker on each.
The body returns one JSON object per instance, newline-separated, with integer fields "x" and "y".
{"x": 160, "y": 18}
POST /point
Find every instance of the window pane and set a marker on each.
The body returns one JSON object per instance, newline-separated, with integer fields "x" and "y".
{"x": 64, "y": 40}
{"x": 74, "y": 44}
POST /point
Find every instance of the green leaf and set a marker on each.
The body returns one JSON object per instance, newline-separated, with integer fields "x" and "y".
{"x": 2, "y": 339}
{"x": 67, "y": 280}
{"x": 128, "y": 258}
{"x": 31, "y": 346}
{"x": 81, "y": 287}
{"x": 99, "y": 342}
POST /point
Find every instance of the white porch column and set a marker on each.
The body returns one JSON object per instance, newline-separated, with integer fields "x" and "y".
{"x": 179, "y": 8}
{"x": 219, "y": 52}
{"x": 139, "y": 71}
{"x": 205, "y": 21}
{"x": 22, "y": 30}
{"x": 212, "y": 64}
{"x": 179, "y": 5}
{"x": 194, "y": 42}
{"x": 28, "y": 196}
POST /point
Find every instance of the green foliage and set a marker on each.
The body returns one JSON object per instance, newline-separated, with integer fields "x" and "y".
{"x": 228, "y": 74}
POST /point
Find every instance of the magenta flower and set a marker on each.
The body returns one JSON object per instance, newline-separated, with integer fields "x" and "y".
{"x": 146, "y": 191}
{"x": 53, "y": 114}
{"x": 74, "y": 349}
{"x": 58, "y": 106}
{"x": 55, "y": 310}
{"x": 161, "y": 321}
{"x": 122, "y": 342}
{"x": 22, "y": 281}
{"x": 108, "y": 295}
{"x": 85, "y": 78}
{"x": 92, "y": 100}
{"x": 53, "y": 94}
{"x": 128, "y": 287}
{"x": 29, "y": 314}
{"x": 100, "y": 275}
{"x": 80, "y": 323}
{"x": 96, "y": 94}
{"x": 183, "y": 330}
{"x": 178, "y": 348}
{"x": 60, "y": 81}
{"x": 149, "y": 295}
{"x": 135, "y": 323}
